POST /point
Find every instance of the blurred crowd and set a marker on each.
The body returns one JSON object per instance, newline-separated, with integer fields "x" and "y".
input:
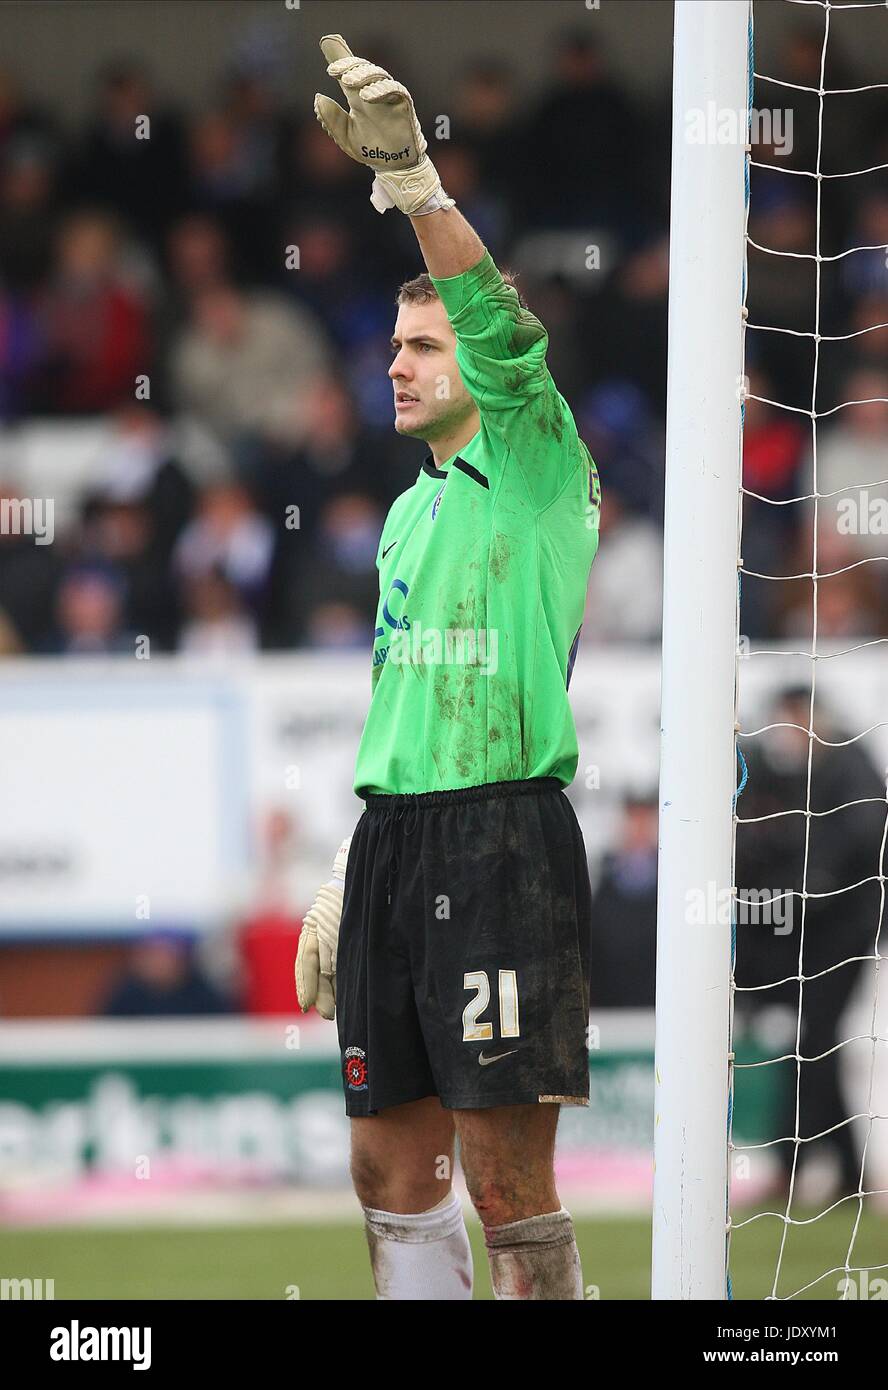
{"x": 220, "y": 296}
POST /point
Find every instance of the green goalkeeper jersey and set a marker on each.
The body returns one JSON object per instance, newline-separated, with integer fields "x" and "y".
{"x": 483, "y": 566}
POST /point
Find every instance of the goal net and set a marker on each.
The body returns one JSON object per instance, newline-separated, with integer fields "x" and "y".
{"x": 811, "y": 820}
{"x": 771, "y": 1123}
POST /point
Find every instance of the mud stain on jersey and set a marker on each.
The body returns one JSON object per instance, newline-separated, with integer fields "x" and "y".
{"x": 500, "y": 555}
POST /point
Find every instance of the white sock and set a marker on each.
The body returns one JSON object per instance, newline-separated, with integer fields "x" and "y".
{"x": 421, "y": 1256}
{"x": 536, "y": 1257}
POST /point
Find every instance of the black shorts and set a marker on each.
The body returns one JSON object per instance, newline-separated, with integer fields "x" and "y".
{"x": 463, "y": 962}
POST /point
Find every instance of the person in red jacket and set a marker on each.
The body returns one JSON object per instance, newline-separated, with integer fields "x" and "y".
{"x": 95, "y": 326}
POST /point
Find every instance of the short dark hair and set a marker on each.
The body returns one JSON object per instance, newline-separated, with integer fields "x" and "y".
{"x": 420, "y": 289}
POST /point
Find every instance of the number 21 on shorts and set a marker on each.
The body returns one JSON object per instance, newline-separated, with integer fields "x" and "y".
{"x": 478, "y": 980}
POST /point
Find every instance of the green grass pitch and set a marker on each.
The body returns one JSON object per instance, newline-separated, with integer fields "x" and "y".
{"x": 330, "y": 1261}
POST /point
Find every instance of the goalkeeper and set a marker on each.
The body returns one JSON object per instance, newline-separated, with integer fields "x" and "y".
{"x": 460, "y": 988}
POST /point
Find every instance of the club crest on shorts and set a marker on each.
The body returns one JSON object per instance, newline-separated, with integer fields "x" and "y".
{"x": 355, "y": 1068}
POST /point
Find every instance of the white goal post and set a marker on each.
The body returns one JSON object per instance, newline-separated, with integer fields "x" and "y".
{"x": 700, "y": 615}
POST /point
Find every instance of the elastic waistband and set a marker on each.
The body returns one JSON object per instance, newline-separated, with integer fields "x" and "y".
{"x": 489, "y": 791}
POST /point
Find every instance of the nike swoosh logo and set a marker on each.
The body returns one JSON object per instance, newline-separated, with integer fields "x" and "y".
{"x": 486, "y": 1061}
{"x": 388, "y": 548}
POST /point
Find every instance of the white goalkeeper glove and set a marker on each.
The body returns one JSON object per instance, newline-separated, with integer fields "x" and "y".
{"x": 380, "y": 129}
{"x": 318, "y": 940}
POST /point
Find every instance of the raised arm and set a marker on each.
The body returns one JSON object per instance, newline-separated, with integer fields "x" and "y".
{"x": 449, "y": 245}
{"x": 501, "y": 345}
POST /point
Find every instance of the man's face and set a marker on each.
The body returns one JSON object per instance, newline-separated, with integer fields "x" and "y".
{"x": 431, "y": 401}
